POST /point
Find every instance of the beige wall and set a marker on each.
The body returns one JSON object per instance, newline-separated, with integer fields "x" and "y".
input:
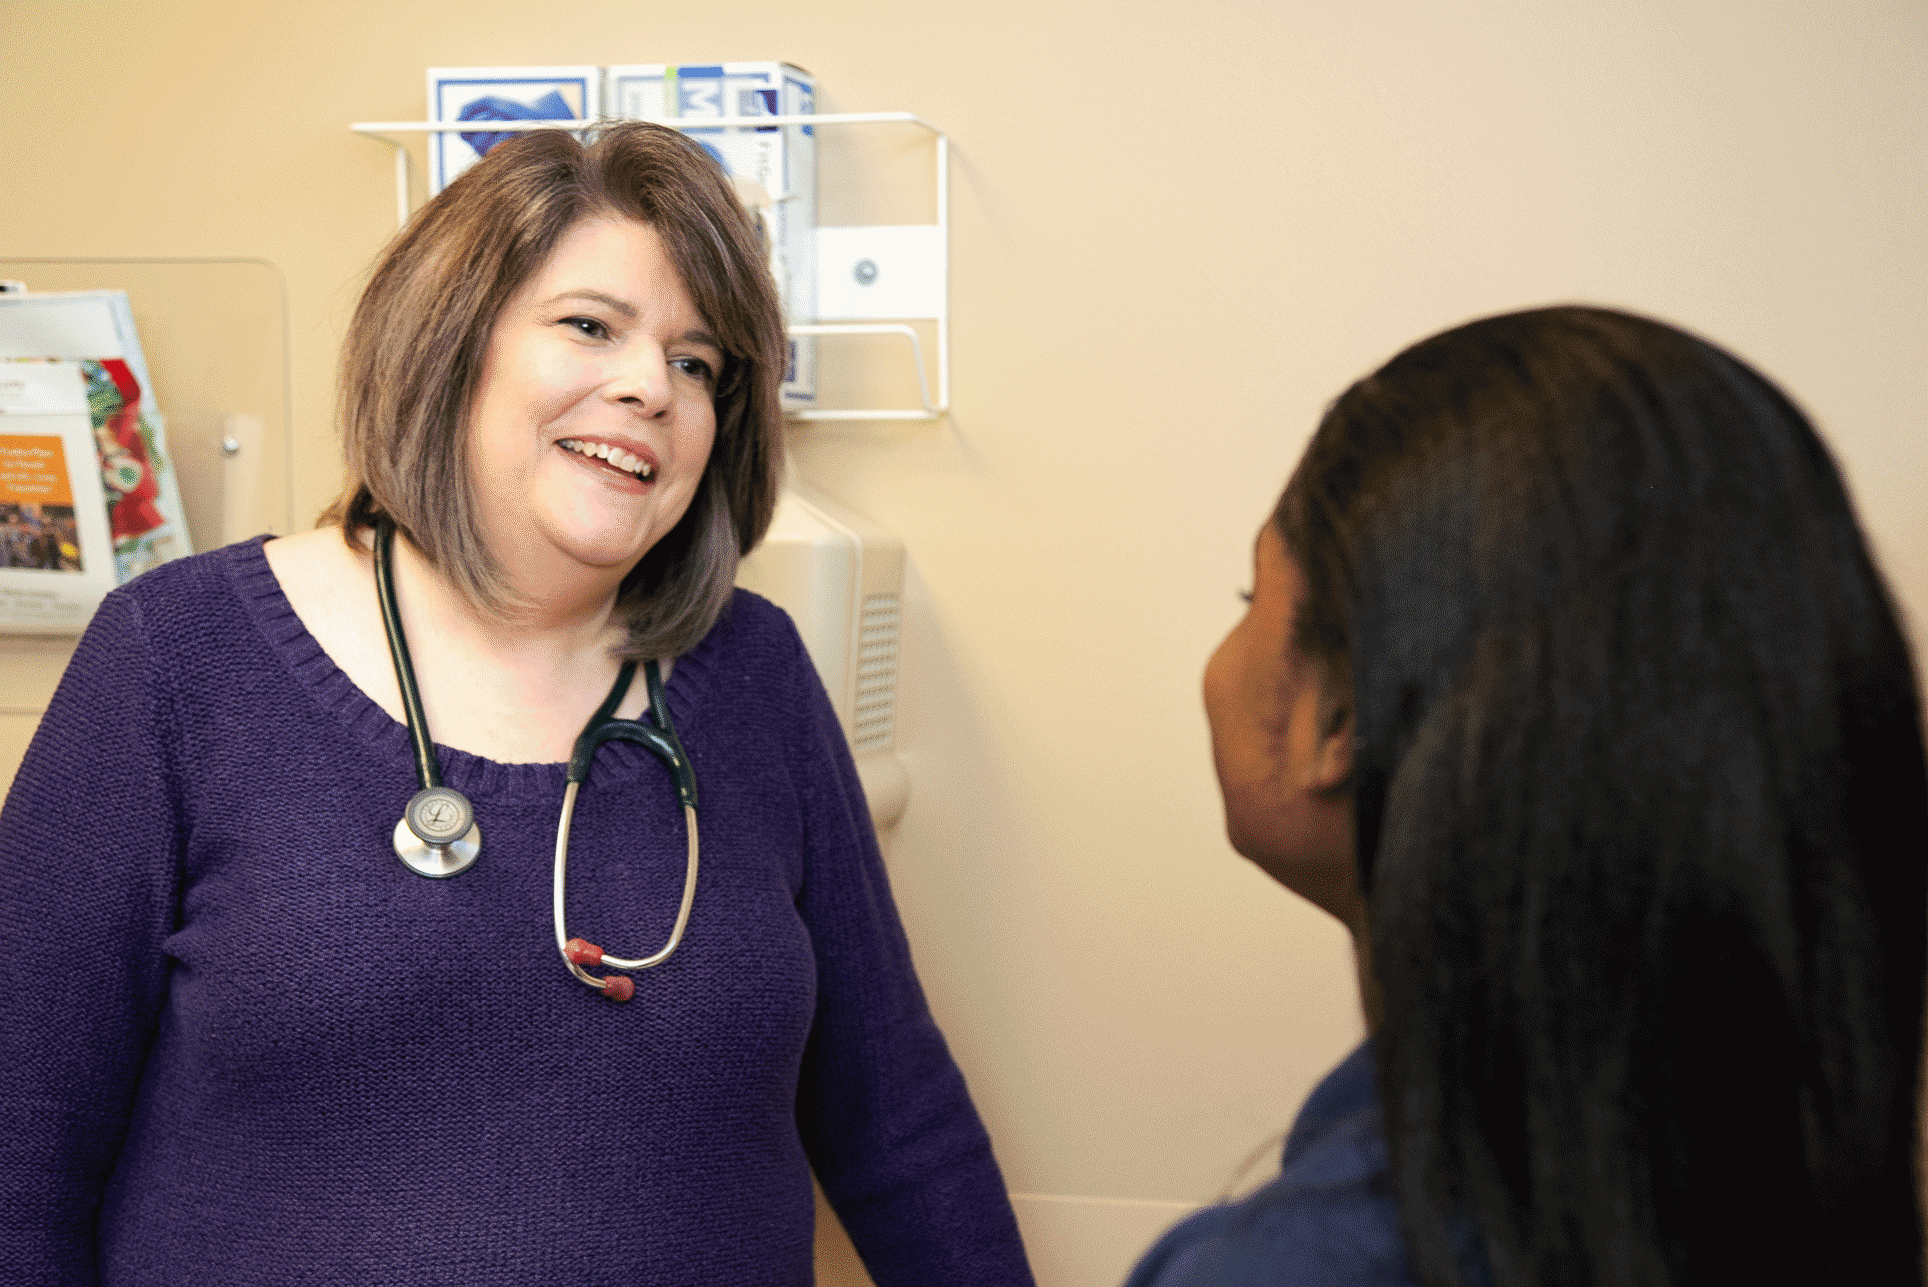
{"x": 1180, "y": 229}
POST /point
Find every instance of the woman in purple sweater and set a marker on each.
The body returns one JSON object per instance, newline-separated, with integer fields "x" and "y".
{"x": 244, "y": 1044}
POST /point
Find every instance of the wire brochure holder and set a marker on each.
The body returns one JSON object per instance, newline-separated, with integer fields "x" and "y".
{"x": 871, "y": 280}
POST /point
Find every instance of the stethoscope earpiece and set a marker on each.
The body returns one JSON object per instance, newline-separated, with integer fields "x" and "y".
{"x": 580, "y": 952}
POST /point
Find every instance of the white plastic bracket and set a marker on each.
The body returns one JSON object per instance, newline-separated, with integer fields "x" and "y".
{"x": 897, "y": 272}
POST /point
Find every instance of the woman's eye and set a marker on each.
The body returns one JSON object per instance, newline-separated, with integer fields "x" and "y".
{"x": 588, "y": 326}
{"x": 693, "y": 366}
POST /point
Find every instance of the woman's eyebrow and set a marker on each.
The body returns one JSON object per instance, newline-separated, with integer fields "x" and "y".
{"x": 619, "y": 306}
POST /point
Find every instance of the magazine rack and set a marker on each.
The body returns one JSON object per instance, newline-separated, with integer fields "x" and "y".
{"x": 215, "y": 332}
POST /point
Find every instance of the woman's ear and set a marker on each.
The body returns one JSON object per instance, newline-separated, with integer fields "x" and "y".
{"x": 1331, "y": 769}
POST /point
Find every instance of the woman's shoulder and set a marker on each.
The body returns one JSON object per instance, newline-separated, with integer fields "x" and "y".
{"x": 753, "y": 638}
{"x": 752, "y": 672}
{"x": 750, "y": 620}
{"x": 1327, "y": 1220}
{"x": 214, "y": 626}
{"x": 192, "y": 594}
{"x": 176, "y": 628}
{"x": 1300, "y": 1229}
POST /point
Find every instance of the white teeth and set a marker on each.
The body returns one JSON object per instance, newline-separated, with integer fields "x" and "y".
{"x": 627, "y": 461}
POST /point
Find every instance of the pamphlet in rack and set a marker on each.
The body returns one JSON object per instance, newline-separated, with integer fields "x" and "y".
{"x": 88, "y": 496}
{"x": 56, "y": 558}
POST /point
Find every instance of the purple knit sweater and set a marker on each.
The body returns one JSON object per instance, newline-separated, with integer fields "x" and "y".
{"x": 245, "y": 1045}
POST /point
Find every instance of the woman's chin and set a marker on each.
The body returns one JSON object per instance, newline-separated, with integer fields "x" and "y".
{"x": 614, "y": 556}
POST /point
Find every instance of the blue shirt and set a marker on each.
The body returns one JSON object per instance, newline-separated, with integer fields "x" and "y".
{"x": 1328, "y": 1220}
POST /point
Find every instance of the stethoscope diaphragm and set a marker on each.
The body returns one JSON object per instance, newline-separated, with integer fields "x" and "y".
{"x": 437, "y": 834}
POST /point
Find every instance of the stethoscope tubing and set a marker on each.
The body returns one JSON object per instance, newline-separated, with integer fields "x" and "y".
{"x": 561, "y": 898}
{"x": 427, "y": 772}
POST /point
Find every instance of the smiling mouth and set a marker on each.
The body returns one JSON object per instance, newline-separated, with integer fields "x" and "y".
{"x": 614, "y": 457}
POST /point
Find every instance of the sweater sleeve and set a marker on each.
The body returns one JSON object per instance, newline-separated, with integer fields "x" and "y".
{"x": 89, "y": 845}
{"x": 884, "y": 1112}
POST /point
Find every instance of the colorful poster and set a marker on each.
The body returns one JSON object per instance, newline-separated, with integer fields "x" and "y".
{"x": 56, "y": 553}
{"x": 137, "y": 480}
{"x": 37, "y": 528}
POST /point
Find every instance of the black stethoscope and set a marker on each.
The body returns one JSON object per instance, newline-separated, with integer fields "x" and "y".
{"x": 438, "y": 836}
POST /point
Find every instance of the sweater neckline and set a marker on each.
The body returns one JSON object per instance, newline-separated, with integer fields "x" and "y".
{"x": 338, "y": 696}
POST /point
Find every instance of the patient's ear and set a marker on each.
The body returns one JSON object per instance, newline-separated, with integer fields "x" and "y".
{"x": 1330, "y": 772}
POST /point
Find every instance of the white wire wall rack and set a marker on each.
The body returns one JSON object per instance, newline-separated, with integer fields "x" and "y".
{"x": 915, "y": 258}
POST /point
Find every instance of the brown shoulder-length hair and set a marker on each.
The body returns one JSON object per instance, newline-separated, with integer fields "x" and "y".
{"x": 413, "y": 361}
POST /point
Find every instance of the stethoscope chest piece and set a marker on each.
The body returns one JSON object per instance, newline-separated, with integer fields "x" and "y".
{"x": 437, "y": 834}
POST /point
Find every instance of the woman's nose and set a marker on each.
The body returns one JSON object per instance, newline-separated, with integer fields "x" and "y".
{"x": 640, "y": 379}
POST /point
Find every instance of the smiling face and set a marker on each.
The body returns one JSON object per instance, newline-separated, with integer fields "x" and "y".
{"x": 1281, "y": 762}
{"x": 594, "y": 416}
